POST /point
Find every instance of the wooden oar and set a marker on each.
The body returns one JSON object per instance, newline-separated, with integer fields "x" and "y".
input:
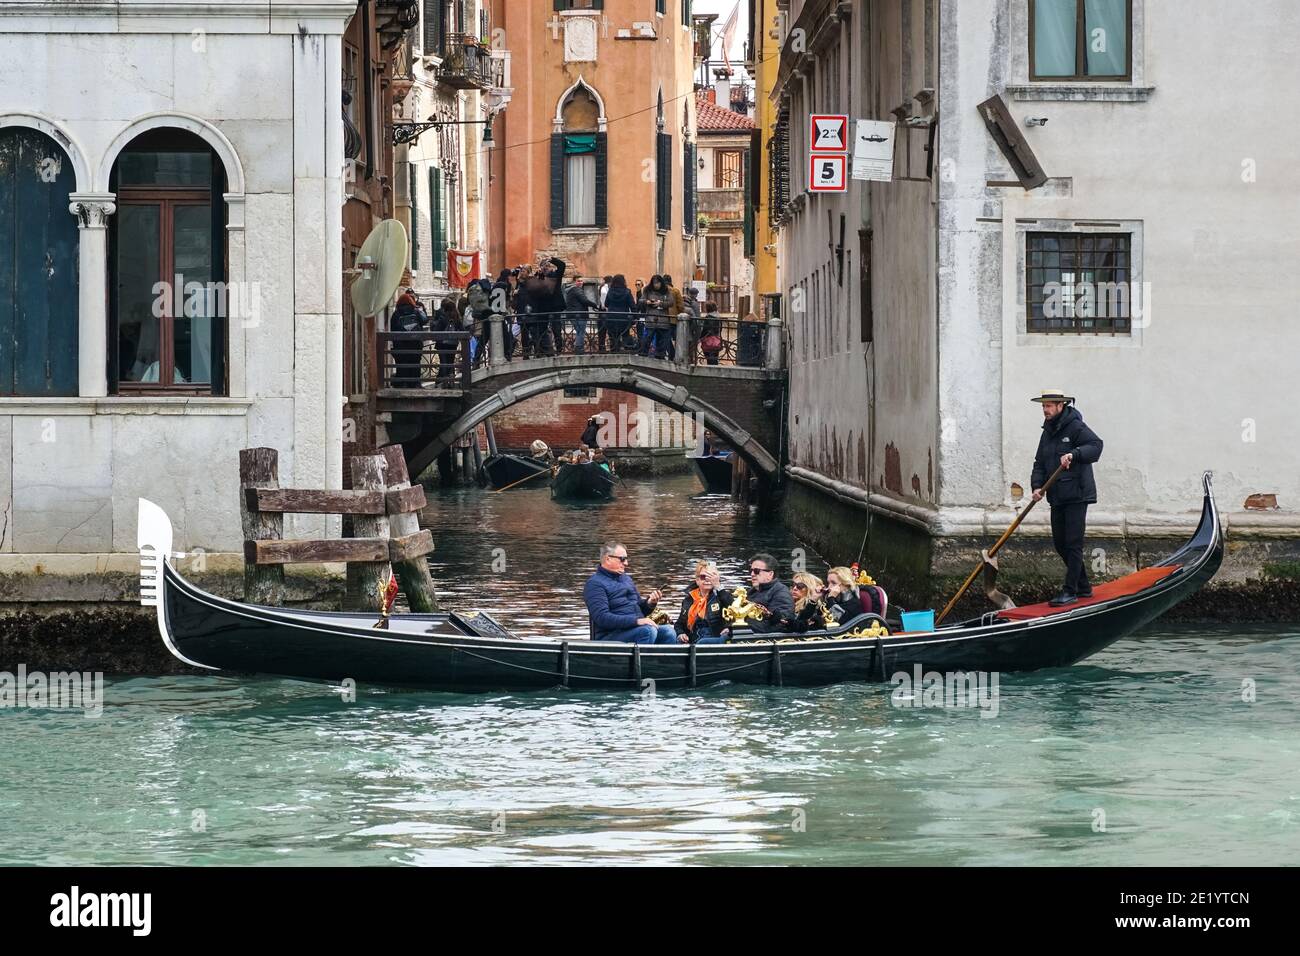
{"x": 994, "y": 550}
{"x": 497, "y": 491}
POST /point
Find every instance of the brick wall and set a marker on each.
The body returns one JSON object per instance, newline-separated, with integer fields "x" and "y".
{"x": 559, "y": 421}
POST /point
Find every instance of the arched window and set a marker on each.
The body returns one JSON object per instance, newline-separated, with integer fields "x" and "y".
{"x": 38, "y": 266}
{"x": 578, "y": 163}
{"x": 169, "y": 299}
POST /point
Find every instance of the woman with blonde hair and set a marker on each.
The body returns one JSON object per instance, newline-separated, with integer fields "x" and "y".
{"x": 842, "y": 594}
{"x": 809, "y": 609}
{"x": 701, "y": 621}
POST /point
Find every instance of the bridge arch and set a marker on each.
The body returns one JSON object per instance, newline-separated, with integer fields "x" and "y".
{"x": 623, "y": 377}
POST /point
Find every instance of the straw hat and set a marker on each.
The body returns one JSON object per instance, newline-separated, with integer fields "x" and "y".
{"x": 1053, "y": 395}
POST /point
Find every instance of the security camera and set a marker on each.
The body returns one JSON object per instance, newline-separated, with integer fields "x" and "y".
{"x": 1035, "y": 120}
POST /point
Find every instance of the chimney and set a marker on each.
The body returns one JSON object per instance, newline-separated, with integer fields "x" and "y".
{"x": 722, "y": 87}
{"x": 712, "y": 95}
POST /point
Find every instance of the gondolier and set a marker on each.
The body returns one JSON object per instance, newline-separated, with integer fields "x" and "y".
{"x": 1068, "y": 443}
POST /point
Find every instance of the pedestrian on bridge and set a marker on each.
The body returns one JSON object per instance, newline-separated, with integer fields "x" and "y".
{"x": 656, "y": 301}
{"x": 620, "y": 305}
{"x": 579, "y": 305}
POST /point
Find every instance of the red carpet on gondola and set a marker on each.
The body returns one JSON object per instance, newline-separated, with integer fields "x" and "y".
{"x": 1120, "y": 587}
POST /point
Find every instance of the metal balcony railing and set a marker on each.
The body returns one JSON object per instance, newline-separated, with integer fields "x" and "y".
{"x": 466, "y": 64}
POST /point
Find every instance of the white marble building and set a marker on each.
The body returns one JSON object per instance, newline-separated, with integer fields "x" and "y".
{"x": 200, "y": 139}
{"x": 917, "y": 335}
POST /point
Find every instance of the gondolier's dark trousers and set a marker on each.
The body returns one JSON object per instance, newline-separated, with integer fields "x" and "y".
{"x": 1068, "y": 524}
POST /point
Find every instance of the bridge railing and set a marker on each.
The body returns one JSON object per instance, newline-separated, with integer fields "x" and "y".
{"x": 426, "y": 359}
{"x": 716, "y": 340}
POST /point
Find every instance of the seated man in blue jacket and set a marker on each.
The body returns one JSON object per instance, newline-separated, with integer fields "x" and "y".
{"x": 618, "y": 613}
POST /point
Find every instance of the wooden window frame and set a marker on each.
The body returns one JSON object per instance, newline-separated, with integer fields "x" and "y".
{"x": 1081, "y": 49}
{"x": 167, "y": 199}
{"x": 719, "y": 168}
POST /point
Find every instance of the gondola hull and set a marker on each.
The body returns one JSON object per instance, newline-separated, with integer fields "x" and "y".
{"x": 447, "y": 652}
{"x": 502, "y": 471}
{"x": 586, "y": 481}
{"x": 714, "y": 471}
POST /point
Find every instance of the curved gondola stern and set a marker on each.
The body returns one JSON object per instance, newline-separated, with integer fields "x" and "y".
{"x": 153, "y": 538}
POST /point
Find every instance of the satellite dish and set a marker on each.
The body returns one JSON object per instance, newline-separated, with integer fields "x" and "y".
{"x": 381, "y": 262}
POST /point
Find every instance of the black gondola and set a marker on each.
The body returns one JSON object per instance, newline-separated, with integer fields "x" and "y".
{"x": 714, "y": 471}
{"x": 456, "y": 653}
{"x": 583, "y": 481}
{"x": 505, "y": 470}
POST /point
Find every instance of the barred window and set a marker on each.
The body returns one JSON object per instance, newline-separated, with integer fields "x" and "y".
{"x": 1078, "y": 281}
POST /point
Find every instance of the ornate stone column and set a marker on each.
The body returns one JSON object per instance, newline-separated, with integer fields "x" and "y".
{"x": 92, "y": 211}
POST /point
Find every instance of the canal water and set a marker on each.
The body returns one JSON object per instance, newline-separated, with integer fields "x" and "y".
{"x": 1177, "y": 746}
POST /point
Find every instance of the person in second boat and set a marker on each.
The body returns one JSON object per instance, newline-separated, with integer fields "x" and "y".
{"x": 617, "y": 610}
{"x": 701, "y": 619}
{"x": 1070, "y": 444}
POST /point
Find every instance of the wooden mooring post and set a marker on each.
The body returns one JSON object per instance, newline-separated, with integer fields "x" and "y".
{"x": 404, "y": 529}
{"x": 366, "y": 579}
{"x": 383, "y": 505}
{"x": 260, "y": 468}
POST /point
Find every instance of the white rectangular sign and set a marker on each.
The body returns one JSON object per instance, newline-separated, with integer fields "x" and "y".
{"x": 873, "y": 150}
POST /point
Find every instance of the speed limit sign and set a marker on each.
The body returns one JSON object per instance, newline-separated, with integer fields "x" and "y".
{"x": 827, "y": 174}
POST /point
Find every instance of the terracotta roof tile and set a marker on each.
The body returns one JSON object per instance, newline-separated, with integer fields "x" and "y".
{"x": 710, "y": 117}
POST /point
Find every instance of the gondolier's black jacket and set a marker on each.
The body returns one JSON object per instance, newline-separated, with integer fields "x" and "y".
{"x": 1064, "y": 435}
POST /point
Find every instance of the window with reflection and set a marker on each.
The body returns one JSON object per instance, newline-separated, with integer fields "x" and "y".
{"x": 170, "y": 301}
{"x": 1080, "y": 39}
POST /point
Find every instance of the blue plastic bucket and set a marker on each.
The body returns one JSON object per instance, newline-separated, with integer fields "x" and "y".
{"x": 918, "y": 620}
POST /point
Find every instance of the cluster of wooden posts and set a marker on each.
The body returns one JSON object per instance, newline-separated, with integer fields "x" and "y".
{"x": 386, "y": 537}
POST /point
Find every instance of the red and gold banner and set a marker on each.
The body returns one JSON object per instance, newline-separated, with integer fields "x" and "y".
{"x": 463, "y": 268}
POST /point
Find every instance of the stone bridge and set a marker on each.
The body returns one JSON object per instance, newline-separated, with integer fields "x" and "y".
{"x": 743, "y": 406}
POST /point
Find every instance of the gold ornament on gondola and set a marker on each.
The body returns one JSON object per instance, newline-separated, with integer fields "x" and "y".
{"x": 828, "y": 619}
{"x": 659, "y": 616}
{"x": 742, "y": 608}
{"x": 875, "y": 630}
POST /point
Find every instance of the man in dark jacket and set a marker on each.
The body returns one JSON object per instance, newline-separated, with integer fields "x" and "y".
{"x": 1067, "y": 443}
{"x": 545, "y": 291}
{"x": 591, "y": 434}
{"x": 766, "y": 590}
{"x": 618, "y": 612}
{"x": 578, "y": 302}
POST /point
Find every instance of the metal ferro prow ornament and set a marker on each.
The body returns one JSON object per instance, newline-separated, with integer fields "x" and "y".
{"x": 742, "y": 608}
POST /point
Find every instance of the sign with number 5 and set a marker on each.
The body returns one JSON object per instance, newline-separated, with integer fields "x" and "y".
{"x": 826, "y": 174}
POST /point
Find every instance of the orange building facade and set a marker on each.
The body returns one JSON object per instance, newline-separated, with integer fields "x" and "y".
{"x": 596, "y": 161}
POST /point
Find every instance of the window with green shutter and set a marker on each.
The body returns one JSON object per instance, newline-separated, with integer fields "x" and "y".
{"x": 664, "y": 181}
{"x": 437, "y": 220}
{"x": 415, "y": 216}
{"x": 689, "y": 177}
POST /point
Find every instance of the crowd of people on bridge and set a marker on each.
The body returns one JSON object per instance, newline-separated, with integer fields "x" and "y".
{"x": 619, "y": 612}
{"x": 546, "y": 311}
